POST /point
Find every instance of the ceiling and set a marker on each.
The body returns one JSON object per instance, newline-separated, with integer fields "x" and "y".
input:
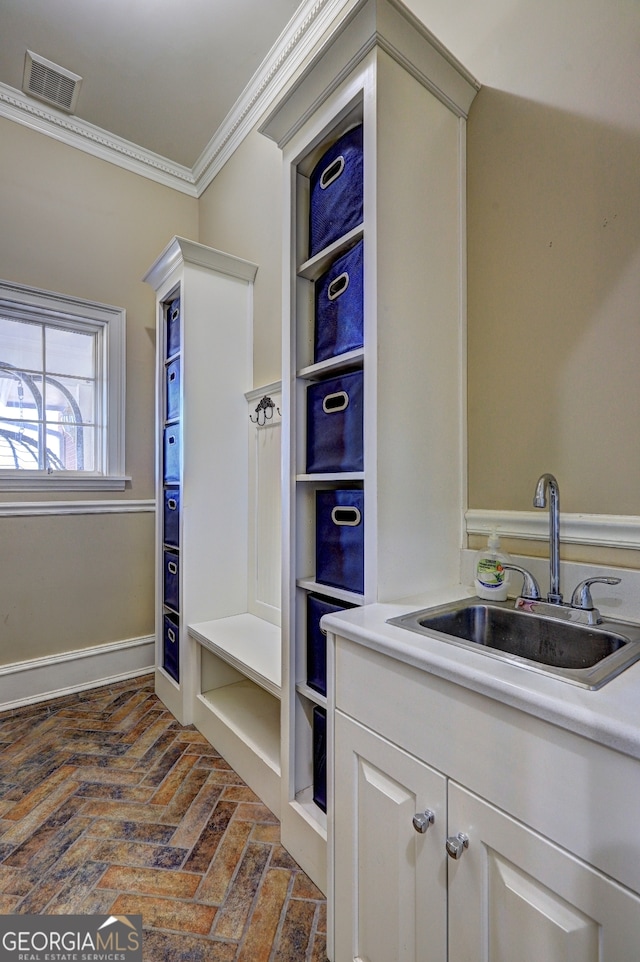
{"x": 162, "y": 74}
{"x": 166, "y": 75}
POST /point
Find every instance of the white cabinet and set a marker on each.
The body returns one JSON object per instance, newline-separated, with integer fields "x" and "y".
{"x": 390, "y": 879}
{"x": 515, "y": 893}
{"x": 383, "y": 72}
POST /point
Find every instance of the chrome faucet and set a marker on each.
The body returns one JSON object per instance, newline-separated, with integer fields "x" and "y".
{"x": 547, "y": 482}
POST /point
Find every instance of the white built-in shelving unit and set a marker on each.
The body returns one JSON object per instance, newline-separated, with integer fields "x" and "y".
{"x": 383, "y": 70}
{"x": 247, "y": 547}
{"x": 220, "y": 667}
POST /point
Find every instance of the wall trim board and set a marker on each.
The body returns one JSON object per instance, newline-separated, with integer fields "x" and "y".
{"x": 30, "y": 509}
{"x": 604, "y": 530}
{"x": 41, "y": 679}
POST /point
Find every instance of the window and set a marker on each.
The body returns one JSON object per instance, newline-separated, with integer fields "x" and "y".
{"x": 61, "y": 391}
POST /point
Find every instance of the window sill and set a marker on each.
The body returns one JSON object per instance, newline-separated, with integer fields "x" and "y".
{"x": 59, "y": 482}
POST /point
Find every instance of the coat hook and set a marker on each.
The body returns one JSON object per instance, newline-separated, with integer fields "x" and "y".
{"x": 264, "y": 411}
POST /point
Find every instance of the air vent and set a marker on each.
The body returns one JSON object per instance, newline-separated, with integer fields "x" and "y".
{"x": 51, "y": 83}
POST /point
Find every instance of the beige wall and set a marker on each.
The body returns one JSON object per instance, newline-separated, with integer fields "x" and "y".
{"x": 553, "y": 294}
{"x": 77, "y": 225}
{"x": 553, "y": 307}
{"x": 241, "y": 213}
{"x": 554, "y": 346}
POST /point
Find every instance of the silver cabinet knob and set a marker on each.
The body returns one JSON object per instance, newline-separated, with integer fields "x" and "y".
{"x": 422, "y": 820}
{"x": 456, "y": 844}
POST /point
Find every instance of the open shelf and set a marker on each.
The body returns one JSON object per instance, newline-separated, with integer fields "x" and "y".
{"x": 340, "y": 362}
{"x": 315, "y": 266}
{"x": 313, "y": 815}
{"x": 242, "y": 720}
{"x": 247, "y": 643}
{"x": 311, "y": 694}
{"x": 340, "y": 477}
{"x": 328, "y": 591}
{"x": 252, "y": 714}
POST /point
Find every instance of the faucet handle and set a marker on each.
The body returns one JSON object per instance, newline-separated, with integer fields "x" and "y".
{"x": 581, "y": 597}
{"x": 530, "y": 588}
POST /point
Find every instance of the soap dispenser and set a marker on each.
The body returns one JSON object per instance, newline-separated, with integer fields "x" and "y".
{"x": 491, "y": 579}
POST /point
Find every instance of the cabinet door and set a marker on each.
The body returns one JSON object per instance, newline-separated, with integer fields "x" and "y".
{"x": 390, "y": 880}
{"x": 514, "y": 896}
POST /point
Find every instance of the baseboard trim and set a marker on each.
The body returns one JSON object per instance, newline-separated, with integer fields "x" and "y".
{"x": 41, "y": 679}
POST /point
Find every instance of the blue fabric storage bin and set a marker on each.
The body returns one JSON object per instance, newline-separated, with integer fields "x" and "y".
{"x": 171, "y": 450}
{"x": 173, "y": 327}
{"x": 339, "y": 306}
{"x": 317, "y": 641}
{"x": 171, "y": 579}
{"x": 340, "y": 539}
{"x": 172, "y": 391}
{"x": 320, "y": 757}
{"x": 171, "y": 646}
{"x": 171, "y": 523}
{"x": 336, "y": 191}
{"x": 334, "y": 424}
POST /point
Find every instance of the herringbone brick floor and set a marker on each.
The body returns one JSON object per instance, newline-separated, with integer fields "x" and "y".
{"x": 109, "y": 806}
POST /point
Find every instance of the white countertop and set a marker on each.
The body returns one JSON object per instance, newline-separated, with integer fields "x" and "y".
{"x": 609, "y": 715}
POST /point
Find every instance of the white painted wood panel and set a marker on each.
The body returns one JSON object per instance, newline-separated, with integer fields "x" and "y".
{"x": 264, "y": 584}
{"x": 390, "y": 881}
{"x": 514, "y": 895}
{"x": 568, "y": 788}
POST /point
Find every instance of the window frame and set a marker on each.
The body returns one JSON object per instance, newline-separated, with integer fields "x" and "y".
{"x": 25, "y": 303}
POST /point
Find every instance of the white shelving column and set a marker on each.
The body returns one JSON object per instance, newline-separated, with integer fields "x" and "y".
{"x": 204, "y": 349}
{"x": 380, "y": 68}
{"x": 219, "y": 656}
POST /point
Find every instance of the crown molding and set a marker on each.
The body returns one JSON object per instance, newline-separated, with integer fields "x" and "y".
{"x": 14, "y": 105}
{"x": 181, "y": 251}
{"x": 298, "y": 39}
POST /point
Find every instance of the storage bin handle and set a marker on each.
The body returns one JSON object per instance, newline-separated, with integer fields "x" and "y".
{"x": 172, "y": 504}
{"x": 349, "y": 516}
{"x": 172, "y": 375}
{"x": 334, "y": 403}
{"x": 175, "y": 314}
{"x": 171, "y": 635}
{"x": 338, "y": 286}
{"x": 172, "y": 439}
{"x": 331, "y": 172}
{"x": 173, "y": 568}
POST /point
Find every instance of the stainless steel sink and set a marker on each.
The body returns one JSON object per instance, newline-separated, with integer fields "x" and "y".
{"x": 585, "y": 655}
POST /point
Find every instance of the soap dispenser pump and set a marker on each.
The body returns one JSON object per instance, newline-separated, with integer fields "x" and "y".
{"x": 491, "y": 579}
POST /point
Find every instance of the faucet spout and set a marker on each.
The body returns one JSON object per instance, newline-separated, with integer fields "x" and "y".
{"x": 547, "y": 483}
